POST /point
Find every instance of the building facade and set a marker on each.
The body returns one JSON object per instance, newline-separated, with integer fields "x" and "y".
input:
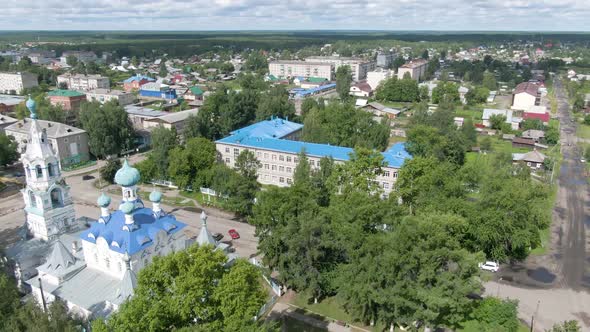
{"x": 70, "y": 144}
{"x": 83, "y": 82}
{"x": 526, "y": 95}
{"x": 15, "y": 83}
{"x": 276, "y": 145}
{"x": 416, "y": 69}
{"x": 106, "y": 95}
{"x": 289, "y": 69}
{"x": 358, "y": 67}
{"x": 82, "y": 56}
{"x": 67, "y": 99}
{"x": 134, "y": 83}
{"x": 384, "y": 60}
{"x": 375, "y": 77}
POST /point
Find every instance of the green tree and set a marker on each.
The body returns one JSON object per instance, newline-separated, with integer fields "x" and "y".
{"x": 256, "y": 62}
{"x": 191, "y": 127}
{"x": 445, "y": 91}
{"x": 469, "y": 132}
{"x": 307, "y": 105}
{"x": 302, "y": 171}
{"x": 134, "y": 61}
{"x": 185, "y": 165}
{"x": 8, "y": 150}
{"x": 343, "y": 81}
{"x": 493, "y": 315}
{"x": 359, "y": 173}
{"x": 566, "y": 326}
{"x": 497, "y": 121}
{"x": 108, "y": 171}
{"x": 489, "y": 81}
{"x": 163, "y": 141}
{"x": 247, "y": 164}
{"x": 477, "y": 95}
{"x": 424, "y": 93}
{"x": 486, "y": 144}
{"x": 275, "y": 103}
{"x": 108, "y": 126}
{"x": 148, "y": 169}
{"x": 72, "y": 61}
{"x": 526, "y": 74}
{"x": 552, "y": 135}
{"x": 163, "y": 70}
{"x": 425, "y": 55}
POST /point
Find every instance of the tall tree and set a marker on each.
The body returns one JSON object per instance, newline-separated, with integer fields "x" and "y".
{"x": 187, "y": 163}
{"x": 8, "y": 150}
{"x": 343, "y": 81}
{"x": 275, "y": 103}
{"x": 163, "y": 141}
{"x": 489, "y": 81}
{"x": 247, "y": 164}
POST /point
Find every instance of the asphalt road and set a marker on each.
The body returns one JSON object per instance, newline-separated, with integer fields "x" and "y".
{"x": 573, "y": 259}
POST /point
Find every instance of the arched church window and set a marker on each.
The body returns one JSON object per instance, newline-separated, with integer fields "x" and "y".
{"x": 56, "y": 198}
{"x": 32, "y": 199}
{"x": 51, "y": 170}
{"x": 39, "y": 171}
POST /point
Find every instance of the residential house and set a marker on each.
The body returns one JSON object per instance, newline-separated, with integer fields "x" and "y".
{"x": 543, "y": 117}
{"x": 525, "y": 96}
{"x": 462, "y": 93}
{"x": 157, "y": 90}
{"x": 534, "y": 134}
{"x": 16, "y": 83}
{"x": 533, "y": 159}
{"x": 8, "y": 103}
{"x": 361, "y": 89}
{"x": 6, "y": 121}
{"x": 105, "y": 95}
{"x": 171, "y": 120}
{"x": 68, "y": 99}
{"x": 513, "y": 121}
{"x": 380, "y": 110}
{"x": 134, "y": 83}
{"x": 194, "y": 93}
{"x": 521, "y": 142}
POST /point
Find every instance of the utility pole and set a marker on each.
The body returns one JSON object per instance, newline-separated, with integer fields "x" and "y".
{"x": 533, "y": 317}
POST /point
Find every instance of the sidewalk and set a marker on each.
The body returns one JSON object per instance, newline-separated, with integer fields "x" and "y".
{"x": 284, "y": 309}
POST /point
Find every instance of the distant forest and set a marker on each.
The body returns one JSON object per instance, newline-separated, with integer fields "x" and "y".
{"x": 179, "y": 43}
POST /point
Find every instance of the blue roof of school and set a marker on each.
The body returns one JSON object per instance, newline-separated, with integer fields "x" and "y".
{"x": 267, "y": 135}
{"x": 147, "y": 227}
{"x": 138, "y": 78}
{"x": 311, "y": 91}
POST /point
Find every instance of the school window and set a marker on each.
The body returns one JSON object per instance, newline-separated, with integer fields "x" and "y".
{"x": 288, "y": 169}
{"x": 312, "y": 163}
{"x": 281, "y": 169}
{"x": 282, "y": 179}
{"x": 274, "y": 179}
{"x": 258, "y": 154}
{"x": 227, "y": 160}
{"x": 226, "y": 149}
{"x": 289, "y": 181}
{"x": 274, "y": 167}
{"x": 265, "y": 155}
{"x": 289, "y": 159}
{"x": 281, "y": 157}
{"x": 236, "y": 152}
{"x": 274, "y": 157}
{"x": 386, "y": 174}
{"x": 295, "y": 159}
{"x": 265, "y": 166}
{"x": 385, "y": 185}
{"x": 395, "y": 175}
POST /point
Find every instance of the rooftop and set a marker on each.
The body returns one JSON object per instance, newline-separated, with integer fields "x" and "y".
{"x": 173, "y": 117}
{"x": 11, "y": 100}
{"x": 108, "y": 92}
{"x": 64, "y": 93}
{"x": 139, "y": 78}
{"x": 527, "y": 87}
{"x": 53, "y": 129}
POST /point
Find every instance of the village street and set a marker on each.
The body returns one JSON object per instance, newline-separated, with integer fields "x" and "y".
{"x": 556, "y": 286}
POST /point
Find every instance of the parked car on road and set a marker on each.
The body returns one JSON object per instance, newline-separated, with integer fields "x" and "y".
{"x": 217, "y": 236}
{"x": 234, "y": 234}
{"x": 489, "y": 266}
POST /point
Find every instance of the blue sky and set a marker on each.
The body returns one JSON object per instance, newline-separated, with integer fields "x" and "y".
{"x": 538, "y": 15}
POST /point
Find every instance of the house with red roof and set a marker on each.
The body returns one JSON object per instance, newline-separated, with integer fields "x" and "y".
{"x": 544, "y": 117}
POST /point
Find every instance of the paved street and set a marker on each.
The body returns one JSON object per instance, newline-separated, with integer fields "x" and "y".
{"x": 556, "y": 286}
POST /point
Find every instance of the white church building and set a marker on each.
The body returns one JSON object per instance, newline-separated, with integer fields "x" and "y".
{"x": 92, "y": 269}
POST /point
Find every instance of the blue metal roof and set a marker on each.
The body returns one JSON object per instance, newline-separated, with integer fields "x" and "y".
{"x": 138, "y": 78}
{"x": 312, "y": 91}
{"x": 146, "y": 229}
{"x": 267, "y": 135}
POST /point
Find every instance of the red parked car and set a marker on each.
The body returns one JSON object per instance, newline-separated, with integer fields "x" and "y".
{"x": 234, "y": 234}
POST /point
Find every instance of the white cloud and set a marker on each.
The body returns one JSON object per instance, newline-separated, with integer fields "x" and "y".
{"x": 537, "y": 15}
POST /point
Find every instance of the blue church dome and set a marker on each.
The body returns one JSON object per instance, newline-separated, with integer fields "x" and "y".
{"x": 32, "y": 105}
{"x": 127, "y": 207}
{"x": 155, "y": 196}
{"x": 103, "y": 200}
{"x": 127, "y": 176}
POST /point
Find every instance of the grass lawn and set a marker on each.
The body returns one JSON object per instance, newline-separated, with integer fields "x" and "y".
{"x": 395, "y": 139}
{"x": 583, "y": 131}
{"x": 329, "y": 307}
{"x": 203, "y": 201}
{"x": 523, "y": 327}
{"x": 501, "y": 145}
{"x": 475, "y": 115}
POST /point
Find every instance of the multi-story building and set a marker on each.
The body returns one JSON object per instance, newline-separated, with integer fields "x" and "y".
{"x": 81, "y": 56}
{"x": 359, "y": 67}
{"x": 276, "y": 144}
{"x": 15, "y": 83}
{"x": 526, "y": 95}
{"x": 288, "y": 69}
{"x": 67, "y": 99}
{"x": 106, "y": 95}
{"x": 157, "y": 90}
{"x": 384, "y": 60}
{"x": 375, "y": 77}
{"x": 39, "y": 57}
{"x": 70, "y": 144}
{"x": 416, "y": 68}
{"x": 83, "y": 82}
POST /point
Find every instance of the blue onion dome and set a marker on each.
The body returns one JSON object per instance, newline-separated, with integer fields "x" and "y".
{"x": 127, "y": 176}
{"x": 32, "y": 106}
{"x": 103, "y": 200}
{"x": 127, "y": 207}
{"x": 155, "y": 196}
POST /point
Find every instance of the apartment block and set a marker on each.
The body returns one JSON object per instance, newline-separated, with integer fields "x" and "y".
{"x": 416, "y": 68}
{"x": 15, "y": 83}
{"x": 83, "y": 82}
{"x": 359, "y": 67}
{"x": 106, "y": 95}
{"x": 288, "y": 69}
{"x": 276, "y": 145}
